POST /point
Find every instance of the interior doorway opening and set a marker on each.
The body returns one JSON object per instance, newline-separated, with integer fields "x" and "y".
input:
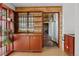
{"x": 50, "y": 29}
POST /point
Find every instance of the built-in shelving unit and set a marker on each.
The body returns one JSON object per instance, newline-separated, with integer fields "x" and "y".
{"x": 29, "y": 35}
{"x": 30, "y": 22}
{"x": 6, "y": 30}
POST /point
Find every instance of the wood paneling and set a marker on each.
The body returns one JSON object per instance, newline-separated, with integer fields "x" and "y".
{"x": 40, "y": 8}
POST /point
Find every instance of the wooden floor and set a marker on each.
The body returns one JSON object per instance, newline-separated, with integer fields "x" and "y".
{"x": 46, "y": 52}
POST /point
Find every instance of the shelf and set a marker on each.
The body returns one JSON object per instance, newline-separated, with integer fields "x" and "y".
{"x": 38, "y": 21}
{"x": 34, "y": 16}
{"x": 6, "y": 28}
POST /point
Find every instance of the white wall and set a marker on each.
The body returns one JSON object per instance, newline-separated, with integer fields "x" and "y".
{"x": 69, "y": 18}
{"x": 71, "y": 22}
{"x": 77, "y": 30}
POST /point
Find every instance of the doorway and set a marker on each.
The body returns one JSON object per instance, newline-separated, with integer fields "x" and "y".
{"x": 50, "y": 29}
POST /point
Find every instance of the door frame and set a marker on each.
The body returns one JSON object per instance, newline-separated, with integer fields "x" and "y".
{"x": 59, "y": 28}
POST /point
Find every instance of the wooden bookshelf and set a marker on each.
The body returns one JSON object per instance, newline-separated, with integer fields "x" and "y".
{"x": 30, "y": 33}
{"x": 6, "y": 30}
{"x": 30, "y": 22}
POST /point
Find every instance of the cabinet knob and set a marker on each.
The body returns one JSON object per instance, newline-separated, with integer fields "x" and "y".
{"x": 67, "y": 47}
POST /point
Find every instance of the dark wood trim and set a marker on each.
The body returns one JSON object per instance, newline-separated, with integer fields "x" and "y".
{"x": 38, "y": 8}
{"x": 15, "y": 22}
{"x": 74, "y": 47}
{"x": 59, "y": 30}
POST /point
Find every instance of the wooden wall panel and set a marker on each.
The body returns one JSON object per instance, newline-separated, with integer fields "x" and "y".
{"x": 43, "y": 9}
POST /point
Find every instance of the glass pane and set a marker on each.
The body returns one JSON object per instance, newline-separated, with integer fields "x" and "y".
{"x": 23, "y": 22}
{"x": 4, "y": 14}
{"x": 4, "y": 28}
{"x": 30, "y": 23}
{"x": 35, "y": 21}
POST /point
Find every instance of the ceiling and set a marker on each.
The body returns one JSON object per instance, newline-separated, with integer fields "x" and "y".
{"x": 35, "y": 4}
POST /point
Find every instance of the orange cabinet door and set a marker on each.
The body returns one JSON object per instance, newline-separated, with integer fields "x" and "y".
{"x": 21, "y": 43}
{"x": 36, "y": 43}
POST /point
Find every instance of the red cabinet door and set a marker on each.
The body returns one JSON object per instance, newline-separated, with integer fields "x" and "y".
{"x": 36, "y": 43}
{"x": 66, "y": 43}
{"x": 71, "y": 45}
{"x": 21, "y": 43}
